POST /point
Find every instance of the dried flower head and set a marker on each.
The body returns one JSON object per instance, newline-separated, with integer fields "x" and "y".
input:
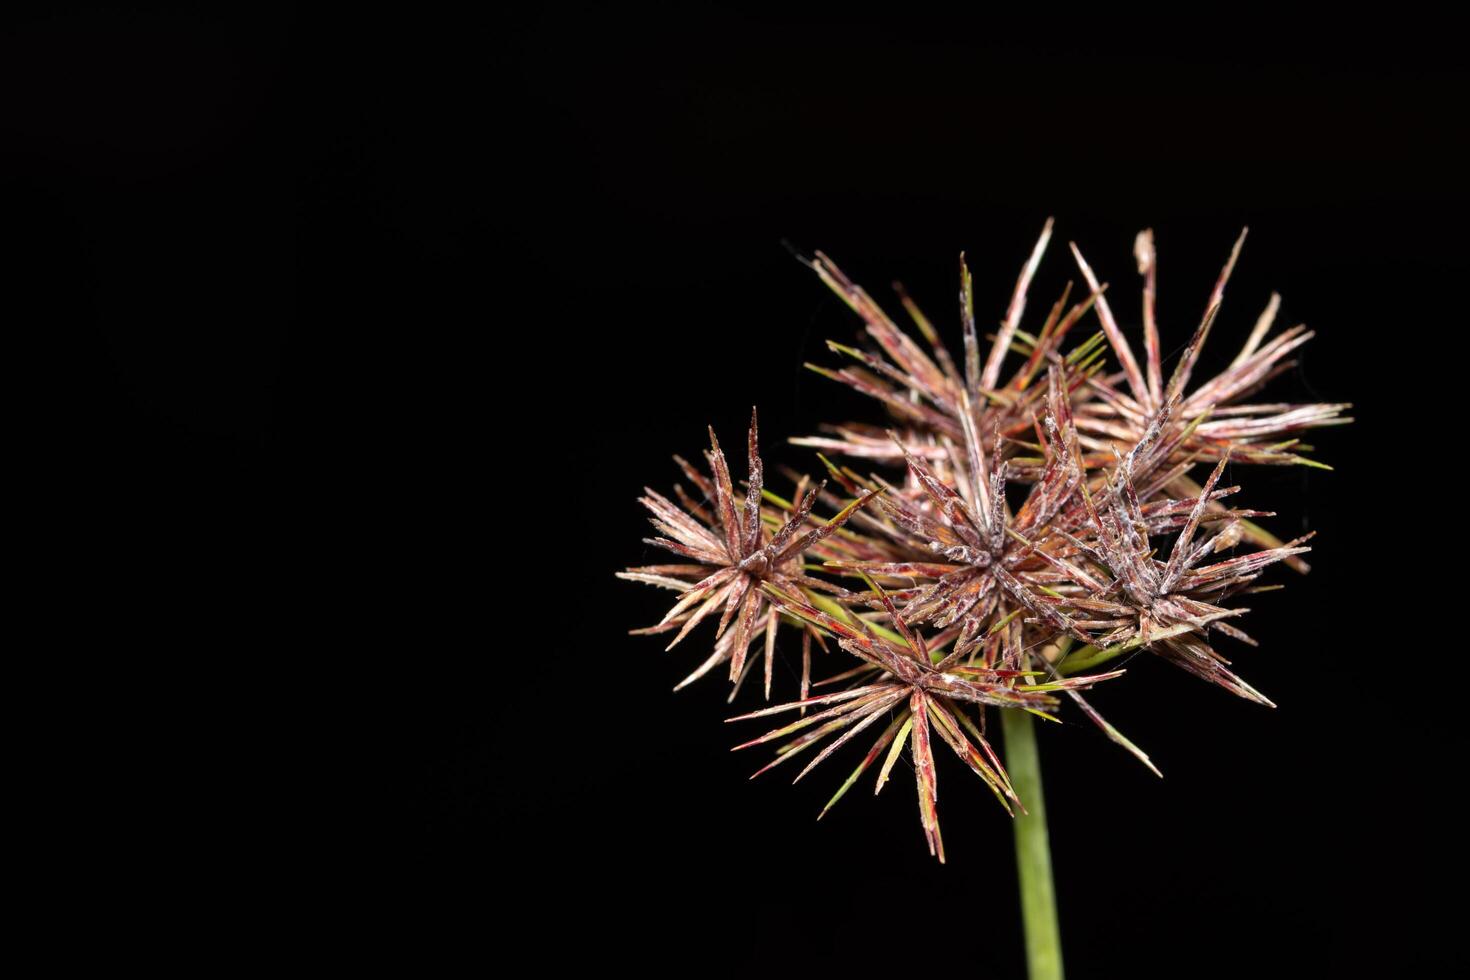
{"x": 1039, "y": 524}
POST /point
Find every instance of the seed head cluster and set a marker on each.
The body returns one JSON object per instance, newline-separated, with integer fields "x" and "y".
{"x": 1022, "y": 521}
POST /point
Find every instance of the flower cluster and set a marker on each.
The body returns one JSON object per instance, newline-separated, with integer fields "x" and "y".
{"x": 1029, "y": 528}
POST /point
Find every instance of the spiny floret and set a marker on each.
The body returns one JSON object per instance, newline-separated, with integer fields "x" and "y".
{"x": 733, "y": 550}
{"x": 925, "y": 690}
{"x": 923, "y": 390}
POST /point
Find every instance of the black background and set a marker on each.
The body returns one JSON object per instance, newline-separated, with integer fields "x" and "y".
{"x": 363, "y": 337}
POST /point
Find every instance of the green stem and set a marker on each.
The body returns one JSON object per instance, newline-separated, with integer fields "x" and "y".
{"x": 1033, "y": 855}
{"x": 836, "y": 610}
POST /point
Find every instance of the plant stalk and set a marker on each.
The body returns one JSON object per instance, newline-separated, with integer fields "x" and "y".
{"x": 1033, "y": 853}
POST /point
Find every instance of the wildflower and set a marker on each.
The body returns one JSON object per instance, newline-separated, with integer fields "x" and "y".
{"x": 1017, "y": 551}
